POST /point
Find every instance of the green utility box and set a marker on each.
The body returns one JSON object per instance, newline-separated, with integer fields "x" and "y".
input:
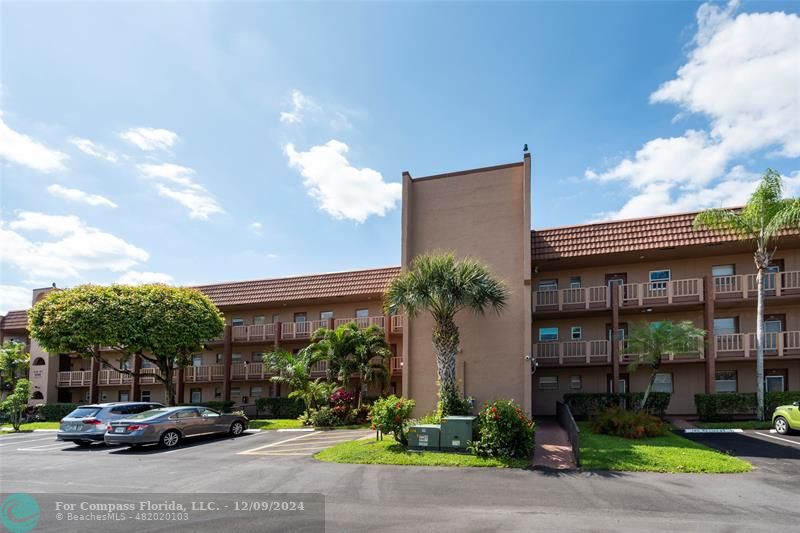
{"x": 456, "y": 431}
{"x": 424, "y": 437}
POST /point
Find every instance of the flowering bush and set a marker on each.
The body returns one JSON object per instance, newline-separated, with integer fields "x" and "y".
{"x": 504, "y": 431}
{"x": 628, "y": 424}
{"x": 391, "y": 415}
{"x": 342, "y": 397}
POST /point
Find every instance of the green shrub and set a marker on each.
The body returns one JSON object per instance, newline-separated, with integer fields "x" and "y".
{"x": 279, "y": 407}
{"x": 53, "y": 412}
{"x": 618, "y": 422}
{"x": 588, "y": 404}
{"x": 322, "y": 417}
{"x": 455, "y": 406}
{"x": 726, "y": 406}
{"x": 430, "y": 418}
{"x": 503, "y": 431}
{"x": 391, "y": 415}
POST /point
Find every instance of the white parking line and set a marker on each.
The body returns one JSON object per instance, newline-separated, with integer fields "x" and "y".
{"x": 246, "y": 452}
{"x": 15, "y": 442}
{"x": 778, "y": 438}
{"x": 43, "y": 448}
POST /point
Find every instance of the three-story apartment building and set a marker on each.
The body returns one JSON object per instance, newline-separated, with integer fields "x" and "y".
{"x": 574, "y": 294}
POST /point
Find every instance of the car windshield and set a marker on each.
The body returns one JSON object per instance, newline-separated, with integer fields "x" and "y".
{"x": 84, "y": 412}
{"x": 150, "y": 414}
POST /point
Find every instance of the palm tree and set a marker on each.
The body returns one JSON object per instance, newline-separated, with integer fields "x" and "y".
{"x": 295, "y": 371}
{"x": 443, "y": 285}
{"x": 650, "y": 342}
{"x": 352, "y": 350}
{"x": 762, "y": 220}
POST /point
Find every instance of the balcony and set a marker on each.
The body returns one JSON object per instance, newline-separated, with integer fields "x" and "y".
{"x": 396, "y": 325}
{"x": 743, "y": 286}
{"x": 661, "y": 292}
{"x": 572, "y": 352}
{"x": 743, "y": 345}
{"x": 249, "y": 371}
{"x": 75, "y": 378}
{"x": 203, "y": 374}
{"x": 254, "y": 333}
{"x": 362, "y": 322}
{"x": 572, "y": 299}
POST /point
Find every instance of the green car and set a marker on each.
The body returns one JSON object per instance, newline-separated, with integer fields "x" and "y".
{"x": 787, "y": 418}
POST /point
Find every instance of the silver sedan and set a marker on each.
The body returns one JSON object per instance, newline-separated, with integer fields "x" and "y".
{"x": 170, "y": 425}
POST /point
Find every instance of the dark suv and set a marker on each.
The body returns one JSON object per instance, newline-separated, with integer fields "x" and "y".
{"x": 88, "y": 423}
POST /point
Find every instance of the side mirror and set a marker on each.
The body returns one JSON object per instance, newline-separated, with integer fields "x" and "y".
{"x": 797, "y": 403}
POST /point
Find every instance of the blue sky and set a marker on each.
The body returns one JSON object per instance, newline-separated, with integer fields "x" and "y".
{"x": 202, "y": 142}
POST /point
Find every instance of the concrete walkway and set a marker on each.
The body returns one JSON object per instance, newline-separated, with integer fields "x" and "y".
{"x": 553, "y": 450}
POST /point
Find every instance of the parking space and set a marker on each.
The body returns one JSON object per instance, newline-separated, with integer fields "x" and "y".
{"x": 766, "y": 450}
{"x": 308, "y": 444}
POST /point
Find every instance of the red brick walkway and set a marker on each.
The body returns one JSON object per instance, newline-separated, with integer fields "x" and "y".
{"x": 553, "y": 450}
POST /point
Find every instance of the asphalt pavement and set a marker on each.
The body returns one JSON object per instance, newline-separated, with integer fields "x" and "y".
{"x": 394, "y": 498}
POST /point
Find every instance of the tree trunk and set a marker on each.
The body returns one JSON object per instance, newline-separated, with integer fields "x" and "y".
{"x": 169, "y": 386}
{"x": 647, "y": 390}
{"x": 760, "y": 340}
{"x": 445, "y": 347}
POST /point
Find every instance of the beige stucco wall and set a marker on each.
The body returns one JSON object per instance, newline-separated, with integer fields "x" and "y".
{"x": 483, "y": 214}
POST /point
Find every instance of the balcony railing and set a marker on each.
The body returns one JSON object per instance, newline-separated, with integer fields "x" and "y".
{"x": 661, "y": 292}
{"x": 319, "y": 368}
{"x": 396, "y": 366}
{"x": 362, "y": 322}
{"x": 245, "y": 371}
{"x": 597, "y": 351}
{"x": 396, "y": 325}
{"x": 203, "y": 374}
{"x": 743, "y": 345}
{"x": 75, "y": 378}
{"x": 254, "y": 332}
{"x": 745, "y": 286}
{"x": 572, "y": 299}
{"x": 301, "y": 330}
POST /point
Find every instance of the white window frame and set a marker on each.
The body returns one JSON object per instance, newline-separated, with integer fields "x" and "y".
{"x": 663, "y": 382}
{"x": 659, "y": 283}
{"x": 575, "y": 282}
{"x": 548, "y": 383}
{"x": 731, "y": 268}
{"x": 575, "y": 382}
{"x": 578, "y": 330}
{"x": 547, "y": 285}
{"x": 325, "y": 315}
{"x": 734, "y": 381}
{"x": 236, "y": 357}
{"x": 236, "y": 392}
{"x": 238, "y": 321}
{"x": 259, "y": 320}
{"x": 362, "y": 313}
{"x": 542, "y": 330}
{"x": 196, "y": 359}
{"x": 199, "y": 393}
{"x": 145, "y": 396}
{"x": 725, "y": 331}
{"x": 775, "y": 377}
{"x": 256, "y": 391}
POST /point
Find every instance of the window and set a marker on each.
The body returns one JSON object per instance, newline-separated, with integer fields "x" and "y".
{"x": 236, "y": 357}
{"x": 146, "y": 364}
{"x": 38, "y": 361}
{"x": 124, "y": 396}
{"x": 196, "y": 395}
{"x": 299, "y": 317}
{"x": 548, "y": 334}
{"x": 362, "y": 313}
{"x": 575, "y": 282}
{"x": 236, "y": 392}
{"x": 197, "y": 360}
{"x": 205, "y": 411}
{"x": 548, "y": 285}
{"x": 189, "y": 413}
{"x": 326, "y": 315}
{"x": 726, "y": 381}
{"x": 256, "y": 392}
{"x": 276, "y": 318}
{"x": 575, "y": 333}
{"x": 220, "y": 358}
{"x": 775, "y": 383}
{"x": 726, "y": 325}
{"x": 259, "y": 320}
{"x": 663, "y": 382}
{"x": 548, "y": 382}
{"x": 659, "y": 279}
{"x": 257, "y": 357}
{"x": 237, "y": 321}
{"x": 217, "y": 393}
{"x": 145, "y": 396}
{"x": 723, "y": 270}
{"x": 575, "y": 383}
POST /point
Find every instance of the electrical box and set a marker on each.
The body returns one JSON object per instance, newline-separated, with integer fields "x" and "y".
{"x": 424, "y": 437}
{"x": 456, "y": 431}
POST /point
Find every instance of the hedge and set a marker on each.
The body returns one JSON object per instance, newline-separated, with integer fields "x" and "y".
{"x": 223, "y": 406}
{"x": 279, "y": 407}
{"x": 586, "y": 404}
{"x": 53, "y": 412}
{"x": 726, "y": 406}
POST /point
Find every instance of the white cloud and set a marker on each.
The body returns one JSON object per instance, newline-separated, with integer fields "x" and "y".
{"x": 176, "y": 182}
{"x": 342, "y": 190}
{"x": 300, "y": 105}
{"x": 26, "y": 151}
{"x": 742, "y": 75}
{"x": 256, "y": 227}
{"x": 76, "y": 195}
{"x": 149, "y": 139}
{"x": 72, "y": 248}
{"x": 93, "y": 149}
{"x": 134, "y": 277}
{"x": 14, "y": 297}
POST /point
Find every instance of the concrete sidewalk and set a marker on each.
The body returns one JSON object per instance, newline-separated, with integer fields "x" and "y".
{"x": 553, "y": 450}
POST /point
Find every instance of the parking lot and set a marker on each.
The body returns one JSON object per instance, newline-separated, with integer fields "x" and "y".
{"x": 370, "y": 497}
{"x": 765, "y": 449}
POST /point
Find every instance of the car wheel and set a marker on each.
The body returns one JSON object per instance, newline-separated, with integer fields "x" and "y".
{"x": 237, "y": 428}
{"x": 83, "y": 443}
{"x": 781, "y": 425}
{"x": 170, "y": 439}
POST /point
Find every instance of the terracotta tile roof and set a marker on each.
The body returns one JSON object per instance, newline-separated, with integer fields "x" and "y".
{"x": 621, "y": 236}
{"x": 15, "y": 320}
{"x": 353, "y": 283}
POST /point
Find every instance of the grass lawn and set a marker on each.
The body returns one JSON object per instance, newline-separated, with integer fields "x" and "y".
{"x": 30, "y": 426}
{"x": 736, "y": 424}
{"x": 277, "y": 423}
{"x": 669, "y": 453}
{"x": 389, "y": 452}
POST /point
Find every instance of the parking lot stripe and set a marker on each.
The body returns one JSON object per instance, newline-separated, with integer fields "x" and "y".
{"x": 246, "y": 452}
{"x": 44, "y": 448}
{"x": 15, "y": 442}
{"x": 778, "y": 438}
